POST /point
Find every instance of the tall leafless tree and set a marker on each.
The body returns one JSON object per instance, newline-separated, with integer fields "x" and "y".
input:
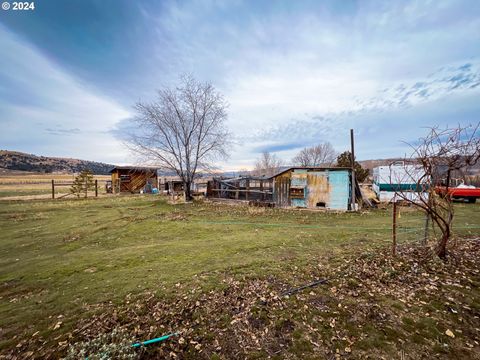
{"x": 182, "y": 130}
{"x": 435, "y": 158}
{"x": 267, "y": 165}
{"x": 321, "y": 154}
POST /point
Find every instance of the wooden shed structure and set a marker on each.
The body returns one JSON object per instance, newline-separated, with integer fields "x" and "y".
{"x": 248, "y": 188}
{"x": 301, "y": 187}
{"x": 134, "y": 179}
{"x": 313, "y": 188}
{"x": 173, "y": 186}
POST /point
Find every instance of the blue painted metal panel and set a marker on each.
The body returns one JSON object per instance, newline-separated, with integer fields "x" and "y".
{"x": 339, "y": 189}
{"x": 318, "y": 173}
{"x": 299, "y": 179}
{"x": 329, "y": 187}
{"x": 298, "y": 203}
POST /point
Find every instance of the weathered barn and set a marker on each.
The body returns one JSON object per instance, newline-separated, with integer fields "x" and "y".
{"x": 313, "y": 188}
{"x": 134, "y": 179}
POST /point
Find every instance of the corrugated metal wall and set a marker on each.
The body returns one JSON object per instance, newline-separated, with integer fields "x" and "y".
{"x": 299, "y": 179}
{"x": 320, "y": 188}
{"x": 339, "y": 189}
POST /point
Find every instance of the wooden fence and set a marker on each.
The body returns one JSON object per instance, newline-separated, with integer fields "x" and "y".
{"x": 64, "y": 183}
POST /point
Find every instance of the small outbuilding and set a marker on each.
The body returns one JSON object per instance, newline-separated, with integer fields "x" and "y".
{"x": 301, "y": 187}
{"x": 173, "y": 186}
{"x": 313, "y": 188}
{"x": 134, "y": 179}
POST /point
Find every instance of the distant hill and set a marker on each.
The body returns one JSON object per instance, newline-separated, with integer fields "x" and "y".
{"x": 14, "y": 160}
{"x": 370, "y": 164}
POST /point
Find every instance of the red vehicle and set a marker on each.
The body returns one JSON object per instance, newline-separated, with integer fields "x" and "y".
{"x": 469, "y": 194}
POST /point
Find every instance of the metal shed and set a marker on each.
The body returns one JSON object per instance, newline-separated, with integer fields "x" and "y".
{"x": 313, "y": 188}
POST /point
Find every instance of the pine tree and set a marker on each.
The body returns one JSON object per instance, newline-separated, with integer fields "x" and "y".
{"x": 345, "y": 160}
{"x": 82, "y": 183}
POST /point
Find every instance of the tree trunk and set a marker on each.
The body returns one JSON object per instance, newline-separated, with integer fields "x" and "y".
{"x": 442, "y": 244}
{"x": 187, "y": 190}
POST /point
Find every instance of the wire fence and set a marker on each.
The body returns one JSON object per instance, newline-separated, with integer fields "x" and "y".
{"x": 408, "y": 226}
{"x": 412, "y": 226}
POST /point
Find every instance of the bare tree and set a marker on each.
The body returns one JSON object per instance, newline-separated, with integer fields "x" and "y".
{"x": 183, "y": 130}
{"x": 435, "y": 158}
{"x": 321, "y": 154}
{"x": 268, "y": 164}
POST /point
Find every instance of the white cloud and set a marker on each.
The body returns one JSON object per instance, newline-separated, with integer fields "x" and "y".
{"x": 293, "y": 73}
{"x": 47, "y": 111}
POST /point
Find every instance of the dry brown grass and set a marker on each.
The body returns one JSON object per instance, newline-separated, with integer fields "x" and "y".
{"x": 35, "y": 178}
{"x": 14, "y": 186}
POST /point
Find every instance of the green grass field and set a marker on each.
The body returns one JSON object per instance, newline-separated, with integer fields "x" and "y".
{"x": 60, "y": 256}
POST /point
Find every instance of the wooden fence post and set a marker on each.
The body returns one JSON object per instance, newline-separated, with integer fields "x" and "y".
{"x": 96, "y": 187}
{"x": 53, "y": 189}
{"x": 394, "y": 228}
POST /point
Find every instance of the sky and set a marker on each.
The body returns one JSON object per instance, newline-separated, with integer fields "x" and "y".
{"x": 294, "y": 73}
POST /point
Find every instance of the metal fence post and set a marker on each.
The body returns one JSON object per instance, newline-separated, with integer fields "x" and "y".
{"x": 427, "y": 225}
{"x": 394, "y": 228}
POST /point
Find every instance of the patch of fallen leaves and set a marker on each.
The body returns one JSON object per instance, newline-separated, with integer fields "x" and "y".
{"x": 244, "y": 318}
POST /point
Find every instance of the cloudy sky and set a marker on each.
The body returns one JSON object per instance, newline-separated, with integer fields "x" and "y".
{"x": 295, "y": 73}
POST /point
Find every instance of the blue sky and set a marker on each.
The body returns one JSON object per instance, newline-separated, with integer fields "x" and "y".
{"x": 295, "y": 73}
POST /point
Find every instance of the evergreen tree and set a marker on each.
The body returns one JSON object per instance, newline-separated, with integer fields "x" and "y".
{"x": 82, "y": 183}
{"x": 345, "y": 160}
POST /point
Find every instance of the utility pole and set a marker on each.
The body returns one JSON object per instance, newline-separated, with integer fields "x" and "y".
{"x": 352, "y": 153}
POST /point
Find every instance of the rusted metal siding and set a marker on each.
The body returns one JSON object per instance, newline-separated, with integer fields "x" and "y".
{"x": 299, "y": 180}
{"x": 318, "y": 190}
{"x": 324, "y": 188}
